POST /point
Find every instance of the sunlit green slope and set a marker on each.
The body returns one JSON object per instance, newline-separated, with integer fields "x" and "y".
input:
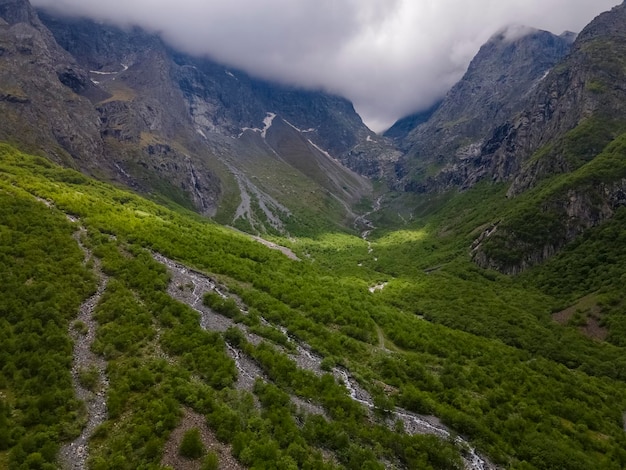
{"x": 475, "y": 348}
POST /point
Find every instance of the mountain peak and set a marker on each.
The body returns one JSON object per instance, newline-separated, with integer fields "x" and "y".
{"x": 611, "y": 23}
{"x": 17, "y": 11}
{"x": 495, "y": 87}
{"x": 513, "y": 32}
{"x": 569, "y": 36}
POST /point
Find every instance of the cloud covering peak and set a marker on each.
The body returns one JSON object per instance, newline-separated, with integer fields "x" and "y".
{"x": 390, "y": 57}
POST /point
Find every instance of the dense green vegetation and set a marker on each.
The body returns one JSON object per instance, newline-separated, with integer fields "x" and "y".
{"x": 444, "y": 337}
{"x": 43, "y": 281}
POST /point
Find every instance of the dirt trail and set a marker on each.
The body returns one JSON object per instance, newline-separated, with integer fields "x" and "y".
{"x": 74, "y": 455}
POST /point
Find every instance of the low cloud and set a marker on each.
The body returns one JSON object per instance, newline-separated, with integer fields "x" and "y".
{"x": 390, "y": 57}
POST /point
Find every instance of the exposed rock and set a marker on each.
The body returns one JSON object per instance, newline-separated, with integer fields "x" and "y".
{"x": 162, "y": 111}
{"x": 38, "y": 107}
{"x": 497, "y": 84}
{"x": 571, "y": 214}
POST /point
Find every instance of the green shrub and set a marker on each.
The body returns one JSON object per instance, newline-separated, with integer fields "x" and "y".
{"x": 191, "y": 446}
{"x": 210, "y": 462}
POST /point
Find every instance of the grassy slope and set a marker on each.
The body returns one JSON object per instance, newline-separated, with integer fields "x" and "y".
{"x": 490, "y": 362}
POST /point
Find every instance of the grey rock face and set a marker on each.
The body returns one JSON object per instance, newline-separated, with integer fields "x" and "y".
{"x": 43, "y": 91}
{"x": 571, "y": 118}
{"x": 497, "y": 85}
{"x": 122, "y": 105}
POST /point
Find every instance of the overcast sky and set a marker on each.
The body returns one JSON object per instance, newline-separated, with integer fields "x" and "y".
{"x": 390, "y": 57}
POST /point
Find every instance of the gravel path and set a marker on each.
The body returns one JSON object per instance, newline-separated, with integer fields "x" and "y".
{"x": 74, "y": 455}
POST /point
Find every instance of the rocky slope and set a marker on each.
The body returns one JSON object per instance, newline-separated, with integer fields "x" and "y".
{"x": 506, "y": 70}
{"x": 181, "y": 115}
{"x": 542, "y": 114}
{"x": 564, "y": 150}
{"x": 123, "y": 106}
{"x": 44, "y": 94}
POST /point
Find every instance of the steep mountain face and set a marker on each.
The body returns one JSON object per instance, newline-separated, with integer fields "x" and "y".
{"x": 403, "y": 127}
{"x": 542, "y": 115}
{"x": 44, "y": 94}
{"x": 121, "y": 105}
{"x": 584, "y": 92}
{"x": 565, "y": 151}
{"x": 497, "y": 84}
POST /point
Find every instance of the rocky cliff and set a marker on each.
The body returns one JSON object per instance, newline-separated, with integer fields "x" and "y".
{"x": 45, "y": 96}
{"x": 445, "y": 150}
{"x": 541, "y": 114}
{"x": 565, "y": 151}
{"x": 122, "y": 105}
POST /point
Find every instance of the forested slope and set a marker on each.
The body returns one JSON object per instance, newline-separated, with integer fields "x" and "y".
{"x": 439, "y": 336}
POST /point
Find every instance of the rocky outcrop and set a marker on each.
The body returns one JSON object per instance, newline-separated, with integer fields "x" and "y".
{"x": 44, "y": 93}
{"x": 551, "y": 112}
{"x": 455, "y": 139}
{"x": 538, "y": 234}
{"x": 573, "y": 115}
{"x": 121, "y": 105}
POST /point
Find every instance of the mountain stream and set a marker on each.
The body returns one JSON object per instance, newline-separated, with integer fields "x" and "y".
{"x": 189, "y": 286}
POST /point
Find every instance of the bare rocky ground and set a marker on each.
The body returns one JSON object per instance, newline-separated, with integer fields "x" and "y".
{"x": 192, "y": 420}
{"x": 74, "y": 455}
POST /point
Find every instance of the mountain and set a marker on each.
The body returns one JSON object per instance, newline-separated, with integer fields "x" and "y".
{"x": 564, "y": 148}
{"x": 403, "y": 127}
{"x": 478, "y": 322}
{"x": 541, "y": 115}
{"x": 205, "y": 136}
{"x": 506, "y": 70}
{"x": 44, "y": 94}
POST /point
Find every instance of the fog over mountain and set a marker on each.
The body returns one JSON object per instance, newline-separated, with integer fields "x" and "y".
{"x": 390, "y": 57}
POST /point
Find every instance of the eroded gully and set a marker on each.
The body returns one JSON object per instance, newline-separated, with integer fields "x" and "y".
{"x": 189, "y": 287}
{"x": 74, "y": 455}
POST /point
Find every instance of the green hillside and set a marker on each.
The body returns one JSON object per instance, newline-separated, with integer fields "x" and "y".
{"x": 439, "y": 336}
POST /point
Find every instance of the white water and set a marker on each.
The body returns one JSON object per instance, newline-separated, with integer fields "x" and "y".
{"x": 249, "y": 371}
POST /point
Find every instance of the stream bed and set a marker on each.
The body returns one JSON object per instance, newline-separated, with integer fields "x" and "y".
{"x": 189, "y": 287}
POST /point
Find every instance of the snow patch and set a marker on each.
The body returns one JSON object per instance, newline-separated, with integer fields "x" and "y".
{"x": 244, "y": 129}
{"x": 102, "y": 73}
{"x": 369, "y": 139}
{"x": 291, "y": 125}
{"x": 121, "y": 170}
{"x": 267, "y": 123}
{"x": 230, "y": 74}
{"x": 98, "y": 72}
{"x": 321, "y": 150}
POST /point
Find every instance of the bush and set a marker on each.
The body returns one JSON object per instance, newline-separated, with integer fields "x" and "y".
{"x": 89, "y": 378}
{"x": 210, "y": 462}
{"x": 191, "y": 446}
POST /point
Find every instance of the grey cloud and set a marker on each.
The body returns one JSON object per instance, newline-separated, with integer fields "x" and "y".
{"x": 390, "y": 57}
